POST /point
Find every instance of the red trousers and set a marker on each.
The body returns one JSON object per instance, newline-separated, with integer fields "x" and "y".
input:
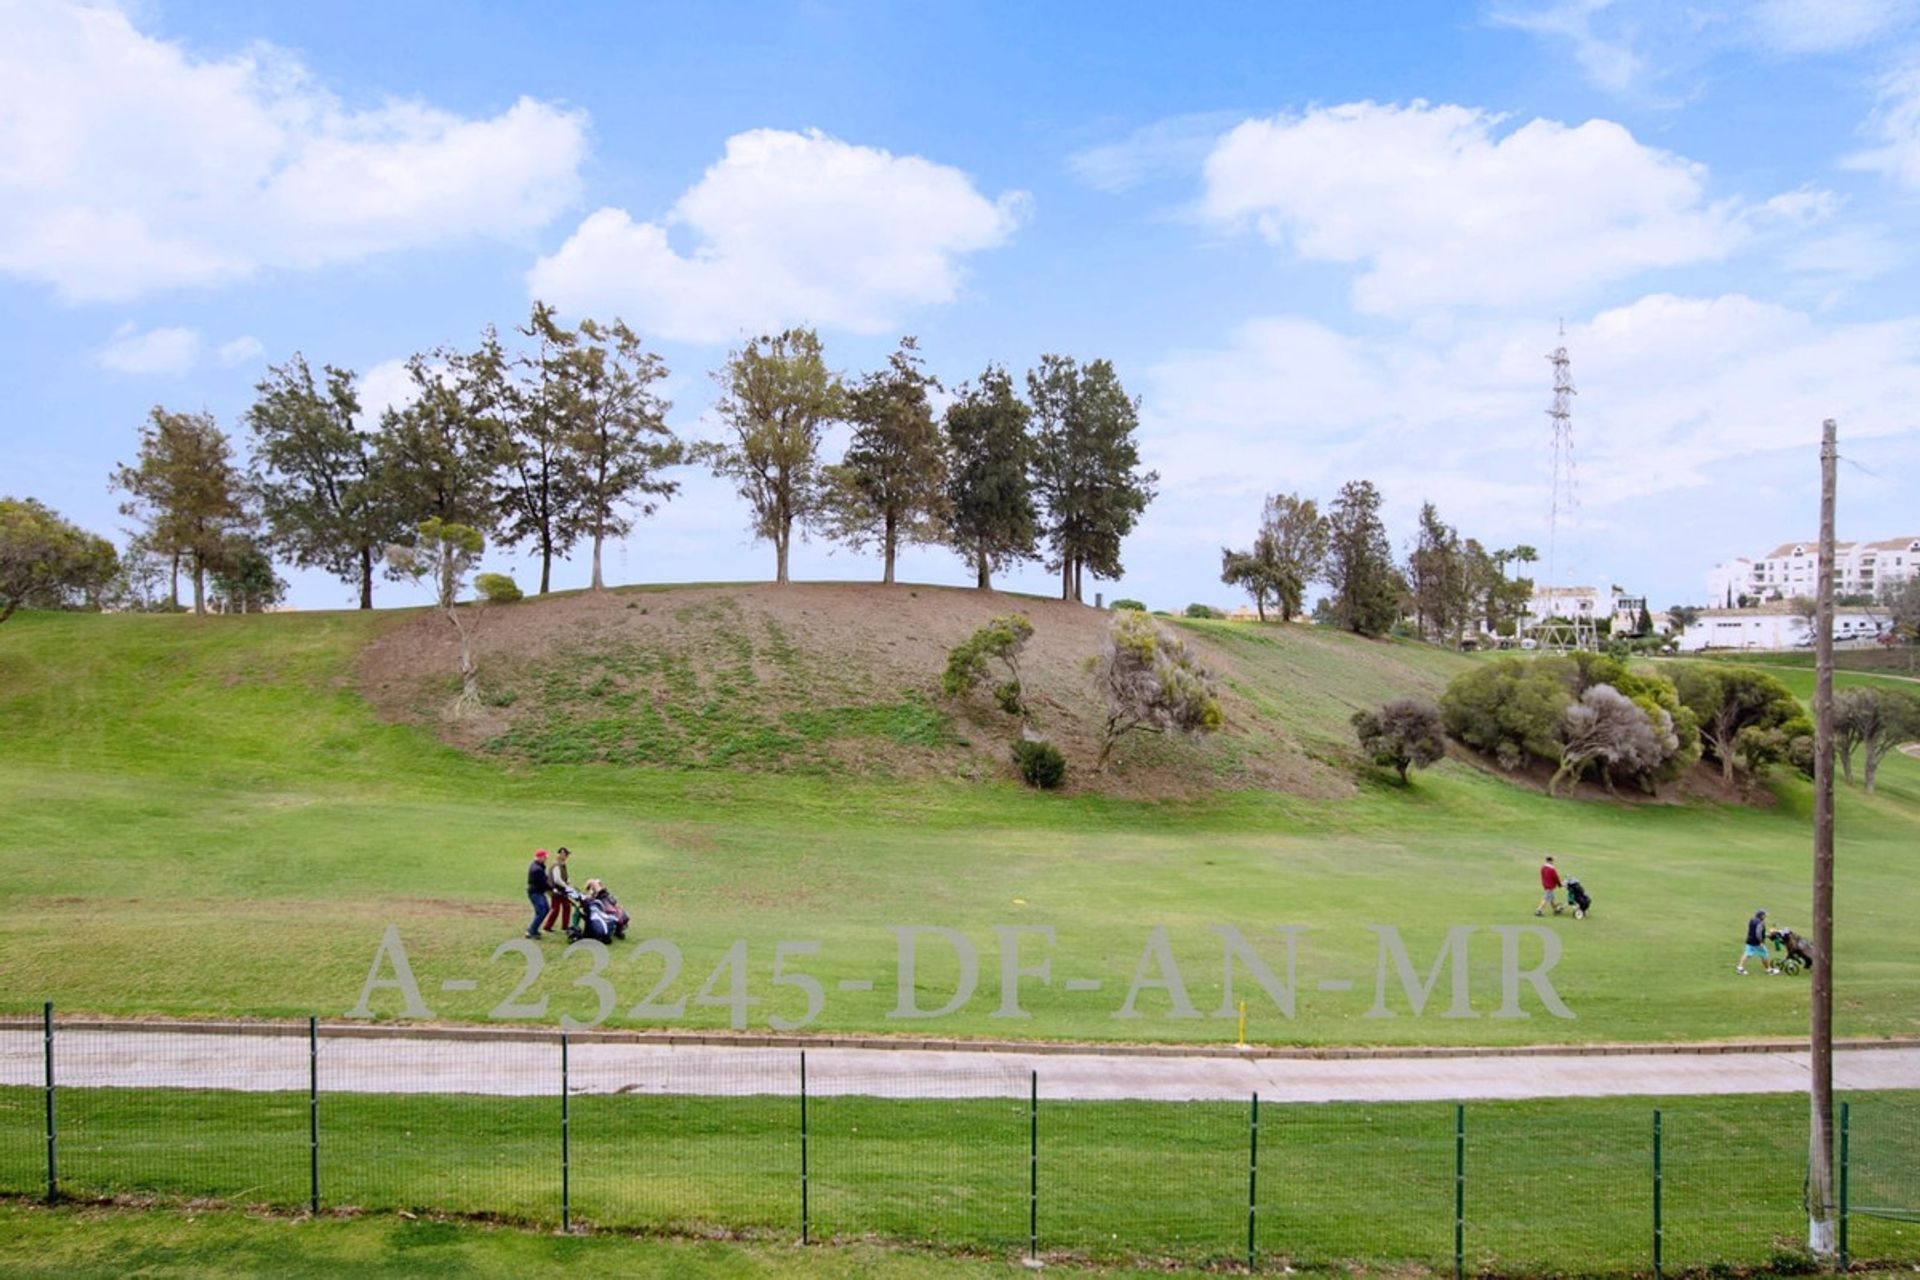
{"x": 560, "y": 909}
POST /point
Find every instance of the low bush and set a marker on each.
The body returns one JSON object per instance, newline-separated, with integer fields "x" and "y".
{"x": 1134, "y": 605}
{"x": 1040, "y": 763}
{"x": 497, "y": 588}
{"x": 1204, "y": 611}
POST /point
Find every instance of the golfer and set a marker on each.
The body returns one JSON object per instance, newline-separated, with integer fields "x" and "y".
{"x": 560, "y": 907}
{"x": 1756, "y": 945}
{"x": 1549, "y": 887}
{"x": 537, "y": 891}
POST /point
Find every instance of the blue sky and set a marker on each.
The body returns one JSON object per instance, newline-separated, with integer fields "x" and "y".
{"x": 1319, "y": 241}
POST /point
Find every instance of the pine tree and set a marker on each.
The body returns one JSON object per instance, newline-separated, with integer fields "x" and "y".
{"x": 1086, "y": 467}
{"x": 1366, "y": 587}
{"x": 890, "y": 486}
{"x": 990, "y": 512}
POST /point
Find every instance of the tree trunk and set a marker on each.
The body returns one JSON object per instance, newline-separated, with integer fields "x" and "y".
{"x": 892, "y": 542}
{"x": 1260, "y": 607}
{"x": 981, "y": 566}
{"x": 199, "y": 586}
{"x": 546, "y": 561}
{"x": 781, "y": 540}
{"x": 366, "y": 577}
{"x": 1066, "y": 577}
{"x": 12, "y": 604}
{"x": 1078, "y": 598}
{"x": 173, "y": 585}
{"x": 1846, "y": 763}
{"x": 1873, "y": 767}
{"x": 469, "y": 670}
{"x": 599, "y": 536}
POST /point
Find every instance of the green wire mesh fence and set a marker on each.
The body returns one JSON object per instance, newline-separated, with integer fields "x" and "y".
{"x": 979, "y": 1153}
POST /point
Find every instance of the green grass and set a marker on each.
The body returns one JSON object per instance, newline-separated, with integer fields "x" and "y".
{"x": 211, "y": 807}
{"x": 1551, "y": 1187}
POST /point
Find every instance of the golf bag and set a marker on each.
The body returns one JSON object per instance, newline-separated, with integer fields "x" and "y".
{"x": 1577, "y": 896}
{"x": 1798, "y": 955}
{"x": 591, "y": 918}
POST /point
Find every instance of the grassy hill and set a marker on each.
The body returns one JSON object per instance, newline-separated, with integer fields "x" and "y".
{"x": 222, "y": 815}
{"x": 845, "y": 678}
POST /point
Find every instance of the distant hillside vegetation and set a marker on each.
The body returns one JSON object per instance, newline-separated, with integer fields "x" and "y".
{"x": 845, "y": 677}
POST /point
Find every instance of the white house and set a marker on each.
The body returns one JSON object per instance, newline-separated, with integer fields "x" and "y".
{"x": 1793, "y": 569}
{"x": 1774, "y": 626}
{"x": 1580, "y": 604}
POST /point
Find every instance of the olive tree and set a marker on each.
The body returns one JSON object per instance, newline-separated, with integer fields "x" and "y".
{"x": 970, "y": 662}
{"x": 1876, "y": 721}
{"x": 1407, "y": 732}
{"x": 1608, "y": 730}
{"x": 444, "y": 554}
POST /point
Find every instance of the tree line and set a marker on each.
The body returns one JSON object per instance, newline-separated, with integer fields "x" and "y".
{"x": 1446, "y": 584}
{"x": 555, "y": 437}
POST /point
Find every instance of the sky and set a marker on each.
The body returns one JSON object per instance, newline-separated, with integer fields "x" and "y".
{"x": 1319, "y": 242}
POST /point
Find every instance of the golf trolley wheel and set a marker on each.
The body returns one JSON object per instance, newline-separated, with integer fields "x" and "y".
{"x": 1579, "y": 913}
{"x": 1790, "y": 965}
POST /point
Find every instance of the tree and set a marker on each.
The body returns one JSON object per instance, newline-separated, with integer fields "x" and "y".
{"x": 1437, "y": 578}
{"x": 1150, "y": 683}
{"x": 314, "y": 472}
{"x": 969, "y": 663}
{"x": 891, "y": 485}
{"x": 243, "y": 578}
{"x": 186, "y": 490}
{"x": 1366, "y": 587}
{"x": 1288, "y": 553}
{"x": 1407, "y": 732}
{"x": 444, "y": 553}
{"x": 47, "y": 562}
{"x": 1903, "y": 603}
{"x": 1682, "y": 616}
{"x": 1643, "y": 625}
{"x": 537, "y": 412}
{"x": 1874, "y": 719}
{"x": 1727, "y": 699}
{"x": 776, "y": 397}
{"x": 1510, "y": 708}
{"x": 436, "y": 457}
{"x": 991, "y": 517}
{"x": 1499, "y": 601}
{"x": 616, "y": 441}
{"x": 1606, "y": 728}
{"x": 1086, "y": 467}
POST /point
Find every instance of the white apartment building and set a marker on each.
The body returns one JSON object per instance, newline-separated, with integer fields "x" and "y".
{"x": 1586, "y": 604}
{"x": 1793, "y": 568}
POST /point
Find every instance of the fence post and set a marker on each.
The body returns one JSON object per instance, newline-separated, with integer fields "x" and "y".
{"x": 803, "y": 1147}
{"x": 313, "y": 1115}
{"x": 1033, "y": 1165}
{"x": 53, "y": 1164}
{"x": 566, "y": 1142}
{"x": 1844, "y": 1256}
{"x": 1659, "y": 1175}
{"x": 1459, "y": 1190}
{"x": 1253, "y": 1175}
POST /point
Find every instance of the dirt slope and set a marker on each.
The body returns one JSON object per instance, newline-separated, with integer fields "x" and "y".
{"x": 845, "y": 676}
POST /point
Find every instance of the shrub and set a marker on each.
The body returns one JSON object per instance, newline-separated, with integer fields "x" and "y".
{"x": 1204, "y": 611}
{"x": 1151, "y": 684}
{"x": 497, "y": 588}
{"x": 1001, "y": 640}
{"x": 1407, "y": 731}
{"x": 1726, "y": 701}
{"x": 1040, "y": 763}
{"x": 1619, "y": 735}
{"x": 1509, "y": 708}
{"x": 1134, "y": 605}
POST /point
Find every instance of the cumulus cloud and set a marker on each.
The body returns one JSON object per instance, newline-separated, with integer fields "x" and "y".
{"x": 170, "y": 350}
{"x": 1672, "y": 391}
{"x": 128, "y": 164}
{"x": 785, "y": 228}
{"x": 242, "y": 350}
{"x": 1442, "y": 206}
{"x": 386, "y": 385}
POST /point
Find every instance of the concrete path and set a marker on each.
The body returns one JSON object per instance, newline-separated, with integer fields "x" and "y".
{"x": 349, "y": 1063}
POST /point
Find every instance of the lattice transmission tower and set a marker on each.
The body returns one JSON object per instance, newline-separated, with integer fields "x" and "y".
{"x": 1576, "y": 631}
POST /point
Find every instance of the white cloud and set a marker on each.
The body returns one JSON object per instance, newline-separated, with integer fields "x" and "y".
{"x": 786, "y": 228}
{"x": 128, "y": 164}
{"x": 384, "y": 386}
{"x": 242, "y": 350}
{"x": 1439, "y": 206}
{"x": 1673, "y": 391}
{"x": 171, "y": 351}
{"x": 1827, "y": 26}
{"x": 1896, "y": 122}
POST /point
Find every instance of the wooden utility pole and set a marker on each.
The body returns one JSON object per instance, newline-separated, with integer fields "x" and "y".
{"x": 1822, "y": 1218}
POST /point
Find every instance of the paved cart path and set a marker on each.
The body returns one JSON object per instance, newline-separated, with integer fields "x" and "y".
{"x": 349, "y": 1063}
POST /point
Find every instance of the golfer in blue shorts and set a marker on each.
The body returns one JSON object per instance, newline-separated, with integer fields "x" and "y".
{"x": 1756, "y": 945}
